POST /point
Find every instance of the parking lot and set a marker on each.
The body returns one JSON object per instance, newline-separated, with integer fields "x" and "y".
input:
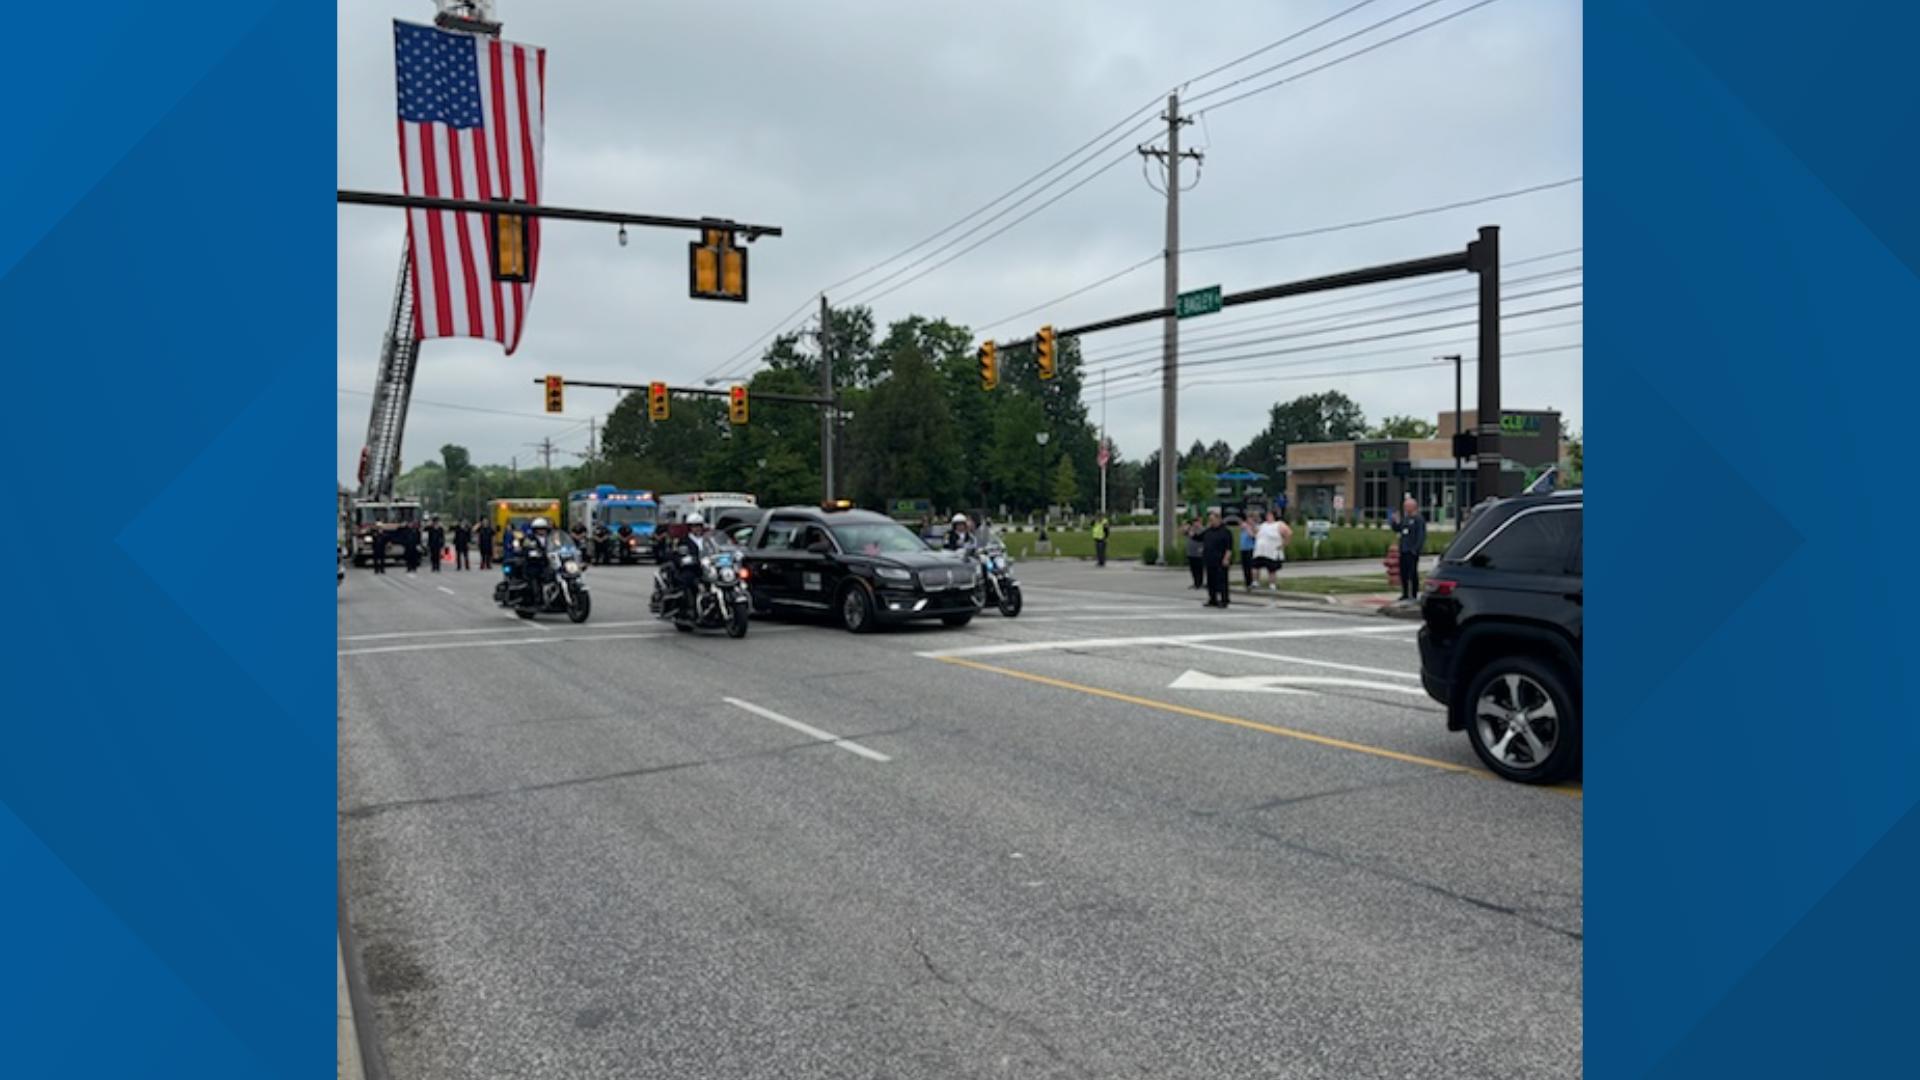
{"x": 1121, "y": 834}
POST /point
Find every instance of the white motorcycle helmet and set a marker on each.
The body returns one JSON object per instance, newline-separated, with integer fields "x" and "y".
{"x": 541, "y": 523}
{"x": 695, "y": 519}
{"x": 959, "y": 519}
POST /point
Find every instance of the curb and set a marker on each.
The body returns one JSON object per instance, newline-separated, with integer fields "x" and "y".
{"x": 365, "y": 1062}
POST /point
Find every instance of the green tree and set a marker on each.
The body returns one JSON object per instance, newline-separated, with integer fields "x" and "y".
{"x": 1328, "y": 417}
{"x": 1014, "y": 461}
{"x": 1196, "y": 486}
{"x": 672, "y": 453}
{"x": 1066, "y": 487}
{"x": 1402, "y": 427}
{"x": 901, "y": 442}
{"x": 1574, "y": 463}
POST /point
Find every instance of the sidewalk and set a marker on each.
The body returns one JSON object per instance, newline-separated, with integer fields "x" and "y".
{"x": 1171, "y": 583}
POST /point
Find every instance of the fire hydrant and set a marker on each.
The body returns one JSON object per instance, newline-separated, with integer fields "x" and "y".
{"x": 1392, "y": 562}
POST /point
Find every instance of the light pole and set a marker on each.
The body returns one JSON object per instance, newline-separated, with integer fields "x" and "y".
{"x": 1041, "y": 437}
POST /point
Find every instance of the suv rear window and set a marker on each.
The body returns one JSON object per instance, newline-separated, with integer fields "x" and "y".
{"x": 1537, "y": 542}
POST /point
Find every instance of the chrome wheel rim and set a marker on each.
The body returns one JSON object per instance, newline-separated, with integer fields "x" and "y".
{"x": 1517, "y": 721}
{"x": 851, "y": 610}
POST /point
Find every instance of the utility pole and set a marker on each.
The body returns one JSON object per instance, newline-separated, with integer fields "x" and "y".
{"x": 827, "y": 420}
{"x": 1459, "y": 480}
{"x": 1170, "y": 366}
{"x": 1105, "y": 454}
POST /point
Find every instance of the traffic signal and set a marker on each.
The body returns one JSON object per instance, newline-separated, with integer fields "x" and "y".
{"x": 1043, "y": 351}
{"x": 658, "y": 407}
{"x": 737, "y": 404}
{"x": 510, "y": 257}
{"x": 716, "y": 268}
{"x": 556, "y": 394}
{"x": 989, "y": 366}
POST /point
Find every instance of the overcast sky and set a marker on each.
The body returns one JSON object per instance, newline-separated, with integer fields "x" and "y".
{"x": 863, "y": 127}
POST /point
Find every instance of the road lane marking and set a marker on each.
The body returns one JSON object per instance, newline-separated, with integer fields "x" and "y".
{"x": 808, "y": 729}
{"x": 1358, "y": 669}
{"x": 1057, "y": 644}
{"x": 446, "y": 590}
{"x": 1218, "y": 718}
{"x": 432, "y": 646}
{"x": 394, "y": 634}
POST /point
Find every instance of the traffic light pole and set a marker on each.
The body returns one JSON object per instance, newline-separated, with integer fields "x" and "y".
{"x": 694, "y": 391}
{"x": 1481, "y": 257}
{"x": 514, "y": 209}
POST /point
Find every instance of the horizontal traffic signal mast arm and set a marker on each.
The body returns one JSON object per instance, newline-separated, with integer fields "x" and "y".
{"x": 495, "y": 206}
{"x": 1438, "y": 264}
{"x": 698, "y": 391}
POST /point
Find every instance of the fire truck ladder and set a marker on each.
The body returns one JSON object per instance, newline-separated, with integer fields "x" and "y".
{"x": 399, "y": 356}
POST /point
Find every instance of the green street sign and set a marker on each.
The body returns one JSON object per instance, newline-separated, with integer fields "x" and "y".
{"x": 1199, "y": 302}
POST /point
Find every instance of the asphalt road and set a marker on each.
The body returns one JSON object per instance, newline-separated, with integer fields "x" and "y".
{"x": 1121, "y": 835}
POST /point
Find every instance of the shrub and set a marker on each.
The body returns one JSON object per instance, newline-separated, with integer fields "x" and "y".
{"x": 1149, "y": 555}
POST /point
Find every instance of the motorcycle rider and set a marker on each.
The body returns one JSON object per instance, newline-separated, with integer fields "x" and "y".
{"x": 961, "y": 536}
{"x": 687, "y": 553}
{"x": 530, "y": 558}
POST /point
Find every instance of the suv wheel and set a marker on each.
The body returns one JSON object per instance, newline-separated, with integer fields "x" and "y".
{"x": 1523, "y": 722}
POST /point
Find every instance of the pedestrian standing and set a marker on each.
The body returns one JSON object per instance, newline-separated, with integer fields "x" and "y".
{"x": 410, "y": 543}
{"x": 379, "y": 549}
{"x": 1100, "y": 541}
{"x": 436, "y": 543}
{"x": 1270, "y": 548}
{"x": 1216, "y": 551}
{"x": 1413, "y": 540}
{"x": 483, "y": 534}
{"x": 1194, "y": 552}
{"x": 1247, "y": 531}
{"x": 462, "y": 536}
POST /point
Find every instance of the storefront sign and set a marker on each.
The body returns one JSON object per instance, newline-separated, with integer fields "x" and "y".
{"x": 1518, "y": 425}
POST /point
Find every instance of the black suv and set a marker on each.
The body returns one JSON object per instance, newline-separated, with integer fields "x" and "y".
{"x": 861, "y": 567}
{"x": 1500, "y": 640}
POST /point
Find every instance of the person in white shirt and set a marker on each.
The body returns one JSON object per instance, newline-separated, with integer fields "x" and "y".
{"x": 1270, "y": 548}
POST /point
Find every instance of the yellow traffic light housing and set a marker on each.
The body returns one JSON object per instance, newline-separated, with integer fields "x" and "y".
{"x": 511, "y": 258}
{"x": 1043, "y": 352}
{"x": 658, "y": 406}
{"x": 716, "y": 268}
{"x": 556, "y": 394}
{"x": 737, "y": 404}
{"x": 989, "y": 366}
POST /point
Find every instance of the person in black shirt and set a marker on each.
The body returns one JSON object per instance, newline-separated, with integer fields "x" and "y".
{"x": 436, "y": 543}
{"x": 410, "y": 544}
{"x": 462, "y": 537}
{"x": 1216, "y": 551}
{"x": 484, "y": 535}
{"x": 1413, "y": 540}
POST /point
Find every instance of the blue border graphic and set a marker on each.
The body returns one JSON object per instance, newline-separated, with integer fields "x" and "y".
{"x": 167, "y": 770}
{"x": 1753, "y": 752}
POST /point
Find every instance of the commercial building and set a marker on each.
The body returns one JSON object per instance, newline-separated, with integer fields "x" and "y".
{"x": 1366, "y": 479}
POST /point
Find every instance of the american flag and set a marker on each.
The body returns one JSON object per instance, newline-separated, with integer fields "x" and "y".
{"x": 470, "y": 128}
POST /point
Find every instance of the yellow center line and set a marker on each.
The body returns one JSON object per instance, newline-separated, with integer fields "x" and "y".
{"x": 1218, "y": 718}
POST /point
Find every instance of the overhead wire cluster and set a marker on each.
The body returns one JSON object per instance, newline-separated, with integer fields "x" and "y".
{"x": 1093, "y": 152}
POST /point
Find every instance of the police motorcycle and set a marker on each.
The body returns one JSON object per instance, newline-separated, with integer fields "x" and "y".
{"x": 716, "y": 599}
{"x": 557, "y": 589}
{"x": 998, "y": 587}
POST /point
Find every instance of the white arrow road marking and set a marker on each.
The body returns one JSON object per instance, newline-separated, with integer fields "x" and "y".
{"x": 1200, "y": 680}
{"x": 1282, "y": 684}
{"x": 1078, "y": 644}
{"x": 1357, "y": 669}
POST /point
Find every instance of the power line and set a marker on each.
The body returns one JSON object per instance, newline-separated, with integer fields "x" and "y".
{"x": 1084, "y": 181}
{"x": 1272, "y": 45}
{"x": 1428, "y": 364}
{"x": 1110, "y": 278}
{"x": 1324, "y": 229}
{"x": 1114, "y": 366}
{"x": 1388, "y": 336}
{"x": 1336, "y": 61}
{"x": 1105, "y": 357}
{"x": 1292, "y": 60}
